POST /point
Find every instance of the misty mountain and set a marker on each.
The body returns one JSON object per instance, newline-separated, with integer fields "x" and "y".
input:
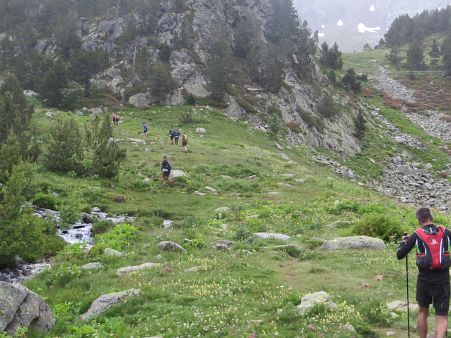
{"x": 352, "y": 24}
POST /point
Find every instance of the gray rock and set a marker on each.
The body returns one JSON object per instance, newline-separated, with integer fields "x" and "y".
{"x": 270, "y": 235}
{"x": 86, "y": 218}
{"x": 399, "y": 306}
{"x": 309, "y": 301}
{"x": 177, "y": 173}
{"x": 92, "y": 266}
{"x": 105, "y": 302}
{"x": 194, "y": 269}
{"x": 171, "y": 246}
{"x": 223, "y": 210}
{"x": 201, "y": 131}
{"x": 222, "y": 245}
{"x": 140, "y": 100}
{"x": 113, "y": 253}
{"x": 21, "y": 307}
{"x": 354, "y": 242}
{"x": 210, "y": 189}
{"x": 130, "y": 269}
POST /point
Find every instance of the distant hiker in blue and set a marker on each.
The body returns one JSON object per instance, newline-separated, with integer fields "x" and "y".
{"x": 172, "y": 135}
{"x": 145, "y": 129}
{"x": 177, "y": 136}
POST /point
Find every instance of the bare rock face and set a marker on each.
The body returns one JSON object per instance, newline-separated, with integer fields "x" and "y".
{"x": 140, "y": 100}
{"x": 21, "y": 307}
{"x": 105, "y": 302}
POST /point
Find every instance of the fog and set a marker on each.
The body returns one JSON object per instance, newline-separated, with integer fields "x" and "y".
{"x": 354, "y": 23}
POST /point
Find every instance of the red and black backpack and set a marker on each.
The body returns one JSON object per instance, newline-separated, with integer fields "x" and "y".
{"x": 433, "y": 249}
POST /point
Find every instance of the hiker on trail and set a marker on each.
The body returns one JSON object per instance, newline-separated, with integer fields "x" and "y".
{"x": 433, "y": 261}
{"x": 165, "y": 169}
{"x": 171, "y": 135}
{"x": 145, "y": 129}
{"x": 177, "y": 136}
{"x": 185, "y": 142}
{"x": 116, "y": 119}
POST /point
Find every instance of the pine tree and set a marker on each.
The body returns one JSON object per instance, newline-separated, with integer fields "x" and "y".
{"x": 446, "y": 50}
{"x": 64, "y": 152}
{"x": 435, "y": 53}
{"x": 219, "y": 70}
{"x": 360, "y": 126}
{"x": 394, "y": 56}
{"x": 10, "y": 155}
{"x": 105, "y": 154}
{"x": 415, "y": 56}
{"x": 15, "y": 113}
{"x": 21, "y": 232}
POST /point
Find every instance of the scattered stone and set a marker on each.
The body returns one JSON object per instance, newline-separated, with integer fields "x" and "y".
{"x": 274, "y": 193}
{"x": 222, "y": 245}
{"x": 105, "y": 302}
{"x": 288, "y": 175}
{"x": 21, "y": 307}
{"x": 223, "y": 210}
{"x": 252, "y": 177}
{"x": 354, "y": 242}
{"x": 210, "y": 189}
{"x": 390, "y": 333}
{"x": 300, "y": 180}
{"x": 136, "y": 141}
{"x": 113, "y": 253}
{"x": 399, "y": 306}
{"x": 226, "y": 177}
{"x": 434, "y": 123}
{"x": 131, "y": 269}
{"x": 310, "y": 300}
{"x": 201, "y": 131}
{"x": 383, "y": 82}
{"x": 413, "y": 185}
{"x": 348, "y": 327}
{"x": 86, "y": 218}
{"x": 50, "y": 114}
{"x": 194, "y": 269}
{"x": 171, "y": 246}
{"x": 168, "y": 224}
{"x": 339, "y": 169}
{"x": 92, "y": 266}
{"x": 286, "y": 185}
{"x": 269, "y": 235}
{"x": 200, "y": 193}
{"x": 278, "y": 146}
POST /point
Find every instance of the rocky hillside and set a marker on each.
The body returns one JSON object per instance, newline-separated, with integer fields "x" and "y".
{"x": 252, "y": 58}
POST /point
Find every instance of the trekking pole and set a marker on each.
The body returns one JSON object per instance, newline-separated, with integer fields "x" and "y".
{"x": 407, "y": 287}
{"x": 408, "y": 304}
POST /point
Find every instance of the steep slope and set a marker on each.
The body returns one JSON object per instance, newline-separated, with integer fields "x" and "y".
{"x": 253, "y": 55}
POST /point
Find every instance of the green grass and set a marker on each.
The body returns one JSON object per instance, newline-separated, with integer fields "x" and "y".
{"x": 248, "y": 290}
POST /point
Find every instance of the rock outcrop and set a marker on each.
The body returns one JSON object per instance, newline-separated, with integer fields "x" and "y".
{"x": 21, "y": 307}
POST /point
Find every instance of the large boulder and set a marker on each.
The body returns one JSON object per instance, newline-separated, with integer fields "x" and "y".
{"x": 140, "y": 100}
{"x": 130, "y": 269}
{"x": 354, "y": 242}
{"x": 105, "y": 302}
{"x": 309, "y": 301}
{"x": 222, "y": 245}
{"x": 21, "y": 307}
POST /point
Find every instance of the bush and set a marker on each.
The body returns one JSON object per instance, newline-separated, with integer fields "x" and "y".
{"x": 45, "y": 201}
{"x": 187, "y": 118}
{"x": 376, "y": 312}
{"x": 70, "y": 215}
{"x": 101, "y": 227}
{"x": 351, "y": 81}
{"x": 119, "y": 238}
{"x": 377, "y": 225}
{"x": 327, "y": 107}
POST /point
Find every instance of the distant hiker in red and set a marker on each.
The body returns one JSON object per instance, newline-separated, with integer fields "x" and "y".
{"x": 433, "y": 260}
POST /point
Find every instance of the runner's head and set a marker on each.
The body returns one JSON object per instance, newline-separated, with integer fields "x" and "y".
{"x": 424, "y": 216}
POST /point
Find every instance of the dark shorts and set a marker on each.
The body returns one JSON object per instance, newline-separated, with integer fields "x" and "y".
{"x": 436, "y": 294}
{"x": 166, "y": 174}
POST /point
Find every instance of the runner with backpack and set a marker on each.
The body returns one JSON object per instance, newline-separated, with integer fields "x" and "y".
{"x": 433, "y": 261}
{"x": 165, "y": 169}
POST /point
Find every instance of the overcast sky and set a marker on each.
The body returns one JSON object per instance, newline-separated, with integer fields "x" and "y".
{"x": 354, "y": 22}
